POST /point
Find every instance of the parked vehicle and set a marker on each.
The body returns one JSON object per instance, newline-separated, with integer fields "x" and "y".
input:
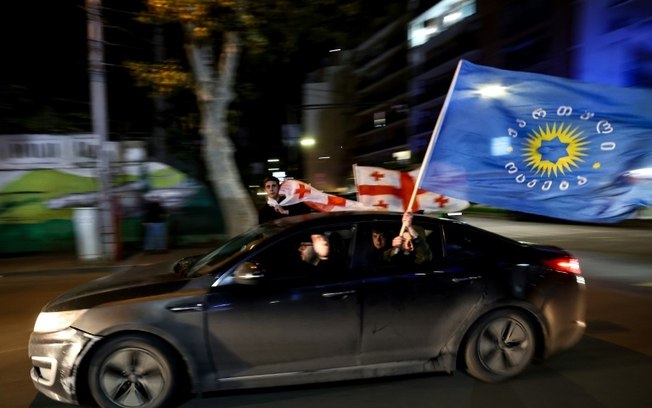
{"x": 252, "y": 313}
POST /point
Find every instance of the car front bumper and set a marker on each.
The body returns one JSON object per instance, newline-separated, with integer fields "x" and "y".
{"x": 55, "y": 360}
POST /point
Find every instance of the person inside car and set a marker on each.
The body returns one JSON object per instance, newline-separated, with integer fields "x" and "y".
{"x": 410, "y": 245}
{"x": 316, "y": 250}
{"x": 373, "y": 252}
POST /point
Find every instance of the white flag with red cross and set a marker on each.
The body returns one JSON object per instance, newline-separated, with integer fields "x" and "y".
{"x": 296, "y": 191}
{"x": 392, "y": 189}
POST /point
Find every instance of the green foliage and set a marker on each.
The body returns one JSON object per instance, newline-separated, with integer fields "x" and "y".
{"x": 201, "y": 18}
{"x": 163, "y": 78}
{"x": 273, "y": 31}
{"x": 281, "y": 41}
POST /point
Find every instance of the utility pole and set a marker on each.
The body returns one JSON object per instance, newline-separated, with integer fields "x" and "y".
{"x": 97, "y": 75}
{"x": 158, "y": 142}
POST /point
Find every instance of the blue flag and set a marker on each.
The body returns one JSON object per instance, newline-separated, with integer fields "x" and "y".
{"x": 543, "y": 145}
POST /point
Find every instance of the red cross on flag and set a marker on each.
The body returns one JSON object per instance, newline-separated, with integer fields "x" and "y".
{"x": 296, "y": 191}
{"x": 392, "y": 189}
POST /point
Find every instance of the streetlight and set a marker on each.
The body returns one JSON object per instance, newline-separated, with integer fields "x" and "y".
{"x": 307, "y": 141}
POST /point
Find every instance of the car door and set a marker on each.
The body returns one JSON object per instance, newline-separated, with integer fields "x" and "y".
{"x": 297, "y": 318}
{"x": 410, "y": 311}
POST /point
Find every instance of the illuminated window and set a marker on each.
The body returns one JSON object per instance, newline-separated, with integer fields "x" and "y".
{"x": 437, "y": 19}
{"x": 379, "y": 119}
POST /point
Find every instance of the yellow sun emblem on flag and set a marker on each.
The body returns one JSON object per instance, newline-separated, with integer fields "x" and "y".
{"x": 554, "y": 149}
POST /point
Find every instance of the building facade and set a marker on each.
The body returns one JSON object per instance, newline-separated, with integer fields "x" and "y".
{"x": 401, "y": 74}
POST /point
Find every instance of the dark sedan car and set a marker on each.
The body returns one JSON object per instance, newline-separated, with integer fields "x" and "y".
{"x": 271, "y": 308}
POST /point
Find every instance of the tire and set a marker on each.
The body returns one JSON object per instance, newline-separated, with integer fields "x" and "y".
{"x": 500, "y": 346}
{"x": 132, "y": 372}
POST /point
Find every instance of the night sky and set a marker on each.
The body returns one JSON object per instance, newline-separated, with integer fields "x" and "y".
{"x": 44, "y": 44}
{"x": 44, "y": 49}
{"x": 45, "y": 56}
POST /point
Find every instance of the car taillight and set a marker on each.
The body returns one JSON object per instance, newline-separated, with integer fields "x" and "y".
{"x": 565, "y": 264}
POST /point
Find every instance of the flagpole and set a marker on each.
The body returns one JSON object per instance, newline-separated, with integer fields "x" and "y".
{"x": 431, "y": 144}
{"x": 433, "y": 137}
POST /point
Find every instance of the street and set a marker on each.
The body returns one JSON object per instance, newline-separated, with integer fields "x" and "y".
{"x": 610, "y": 367}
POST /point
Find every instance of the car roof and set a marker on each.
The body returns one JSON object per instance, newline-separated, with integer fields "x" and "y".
{"x": 315, "y": 219}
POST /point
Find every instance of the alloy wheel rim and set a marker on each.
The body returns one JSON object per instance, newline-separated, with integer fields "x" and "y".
{"x": 503, "y": 346}
{"x": 131, "y": 378}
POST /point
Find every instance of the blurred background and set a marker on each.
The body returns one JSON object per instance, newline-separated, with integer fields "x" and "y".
{"x": 319, "y": 86}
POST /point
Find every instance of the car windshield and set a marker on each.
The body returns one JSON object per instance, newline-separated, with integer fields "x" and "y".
{"x": 239, "y": 244}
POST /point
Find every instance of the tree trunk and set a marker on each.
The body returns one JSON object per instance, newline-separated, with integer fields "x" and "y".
{"x": 214, "y": 90}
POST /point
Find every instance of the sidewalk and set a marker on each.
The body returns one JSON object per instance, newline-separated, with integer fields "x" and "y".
{"x": 61, "y": 262}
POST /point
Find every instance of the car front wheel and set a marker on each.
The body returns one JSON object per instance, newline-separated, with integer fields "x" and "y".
{"x": 132, "y": 372}
{"x": 501, "y": 345}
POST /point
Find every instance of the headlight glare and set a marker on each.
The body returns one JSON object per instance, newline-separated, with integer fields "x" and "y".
{"x": 48, "y": 322}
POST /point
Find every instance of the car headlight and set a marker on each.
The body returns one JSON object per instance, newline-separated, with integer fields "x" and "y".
{"x": 48, "y": 322}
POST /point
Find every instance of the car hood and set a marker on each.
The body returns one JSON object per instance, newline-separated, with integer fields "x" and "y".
{"x": 137, "y": 282}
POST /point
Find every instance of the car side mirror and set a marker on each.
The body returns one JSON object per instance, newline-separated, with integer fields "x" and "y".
{"x": 248, "y": 273}
{"x": 183, "y": 265}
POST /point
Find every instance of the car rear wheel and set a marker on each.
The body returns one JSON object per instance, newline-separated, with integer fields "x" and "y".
{"x": 499, "y": 346}
{"x": 132, "y": 372}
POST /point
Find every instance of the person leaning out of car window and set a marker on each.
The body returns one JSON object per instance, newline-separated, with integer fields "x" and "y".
{"x": 410, "y": 245}
{"x": 272, "y": 210}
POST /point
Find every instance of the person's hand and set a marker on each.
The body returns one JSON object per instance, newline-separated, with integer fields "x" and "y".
{"x": 397, "y": 242}
{"x": 281, "y": 210}
{"x": 321, "y": 245}
{"x": 407, "y": 220}
{"x": 407, "y": 224}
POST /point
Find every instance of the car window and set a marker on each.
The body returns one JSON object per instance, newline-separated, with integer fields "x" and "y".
{"x": 320, "y": 251}
{"x": 242, "y": 243}
{"x": 372, "y": 251}
{"x": 373, "y": 239}
{"x": 460, "y": 242}
{"x": 434, "y": 240}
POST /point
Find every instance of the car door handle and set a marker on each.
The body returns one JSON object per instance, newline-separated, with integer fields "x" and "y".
{"x": 338, "y": 295}
{"x": 468, "y": 278}
{"x": 194, "y": 307}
